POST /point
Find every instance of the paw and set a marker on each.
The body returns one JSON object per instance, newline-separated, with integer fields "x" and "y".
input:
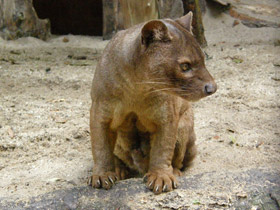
{"x": 106, "y": 180}
{"x": 177, "y": 172}
{"x": 160, "y": 181}
{"x": 122, "y": 172}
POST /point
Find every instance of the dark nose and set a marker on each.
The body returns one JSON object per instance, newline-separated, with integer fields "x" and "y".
{"x": 210, "y": 88}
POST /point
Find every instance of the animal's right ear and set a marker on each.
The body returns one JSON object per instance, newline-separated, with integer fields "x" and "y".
{"x": 155, "y": 30}
{"x": 186, "y": 21}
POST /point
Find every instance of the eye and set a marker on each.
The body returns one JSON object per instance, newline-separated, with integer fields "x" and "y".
{"x": 185, "y": 67}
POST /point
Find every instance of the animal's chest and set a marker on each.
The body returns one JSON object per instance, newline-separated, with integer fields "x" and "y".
{"x": 145, "y": 113}
{"x": 133, "y": 115}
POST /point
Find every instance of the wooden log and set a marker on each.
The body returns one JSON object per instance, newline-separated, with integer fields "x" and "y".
{"x": 19, "y": 19}
{"x": 135, "y": 11}
{"x": 122, "y": 14}
{"x": 252, "y": 22}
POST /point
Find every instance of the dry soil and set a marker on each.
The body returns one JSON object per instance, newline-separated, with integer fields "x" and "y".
{"x": 45, "y": 101}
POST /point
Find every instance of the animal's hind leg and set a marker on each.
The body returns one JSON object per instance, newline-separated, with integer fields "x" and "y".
{"x": 130, "y": 153}
{"x": 190, "y": 151}
{"x": 121, "y": 169}
{"x": 125, "y": 142}
{"x": 122, "y": 152}
{"x": 185, "y": 149}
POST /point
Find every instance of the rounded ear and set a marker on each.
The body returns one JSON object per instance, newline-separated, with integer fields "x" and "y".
{"x": 154, "y": 30}
{"x": 186, "y": 21}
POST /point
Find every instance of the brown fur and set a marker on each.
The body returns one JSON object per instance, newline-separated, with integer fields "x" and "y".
{"x": 141, "y": 117}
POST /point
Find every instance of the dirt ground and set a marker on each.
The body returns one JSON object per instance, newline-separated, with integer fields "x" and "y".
{"x": 45, "y": 101}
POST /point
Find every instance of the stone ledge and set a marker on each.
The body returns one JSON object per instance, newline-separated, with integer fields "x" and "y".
{"x": 251, "y": 189}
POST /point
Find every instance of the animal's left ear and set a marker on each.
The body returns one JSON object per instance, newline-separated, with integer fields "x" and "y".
{"x": 186, "y": 21}
{"x": 155, "y": 30}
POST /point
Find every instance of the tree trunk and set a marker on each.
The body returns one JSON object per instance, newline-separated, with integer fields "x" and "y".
{"x": 198, "y": 29}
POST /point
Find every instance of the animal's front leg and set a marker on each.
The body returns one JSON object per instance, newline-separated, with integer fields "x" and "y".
{"x": 160, "y": 177}
{"x": 103, "y": 141}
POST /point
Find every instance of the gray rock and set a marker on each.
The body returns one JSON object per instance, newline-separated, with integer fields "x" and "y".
{"x": 252, "y": 189}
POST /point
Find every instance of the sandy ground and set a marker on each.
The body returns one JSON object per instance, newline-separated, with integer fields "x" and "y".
{"x": 44, "y": 108}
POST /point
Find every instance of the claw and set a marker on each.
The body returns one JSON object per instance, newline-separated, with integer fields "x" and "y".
{"x": 89, "y": 182}
{"x": 98, "y": 182}
{"x": 157, "y": 188}
{"x": 164, "y": 188}
{"x": 111, "y": 180}
{"x": 106, "y": 183}
{"x": 175, "y": 185}
{"x": 151, "y": 183}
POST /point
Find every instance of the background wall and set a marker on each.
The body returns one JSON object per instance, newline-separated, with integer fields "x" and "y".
{"x": 72, "y": 16}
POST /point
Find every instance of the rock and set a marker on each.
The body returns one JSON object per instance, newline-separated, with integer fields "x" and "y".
{"x": 250, "y": 21}
{"x": 65, "y": 39}
{"x": 213, "y": 190}
{"x": 235, "y": 22}
{"x": 255, "y": 14}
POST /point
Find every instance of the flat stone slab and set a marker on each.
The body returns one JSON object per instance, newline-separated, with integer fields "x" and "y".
{"x": 253, "y": 13}
{"x": 257, "y": 189}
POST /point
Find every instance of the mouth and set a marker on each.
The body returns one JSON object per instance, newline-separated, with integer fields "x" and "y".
{"x": 197, "y": 94}
{"x": 190, "y": 95}
{"x": 192, "y": 98}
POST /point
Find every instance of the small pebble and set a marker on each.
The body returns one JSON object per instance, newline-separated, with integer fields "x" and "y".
{"x": 65, "y": 39}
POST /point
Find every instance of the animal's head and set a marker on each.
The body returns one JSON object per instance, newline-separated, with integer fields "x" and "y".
{"x": 174, "y": 59}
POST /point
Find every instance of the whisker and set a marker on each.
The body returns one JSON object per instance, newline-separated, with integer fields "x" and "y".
{"x": 162, "y": 89}
{"x": 152, "y": 82}
{"x": 158, "y": 90}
